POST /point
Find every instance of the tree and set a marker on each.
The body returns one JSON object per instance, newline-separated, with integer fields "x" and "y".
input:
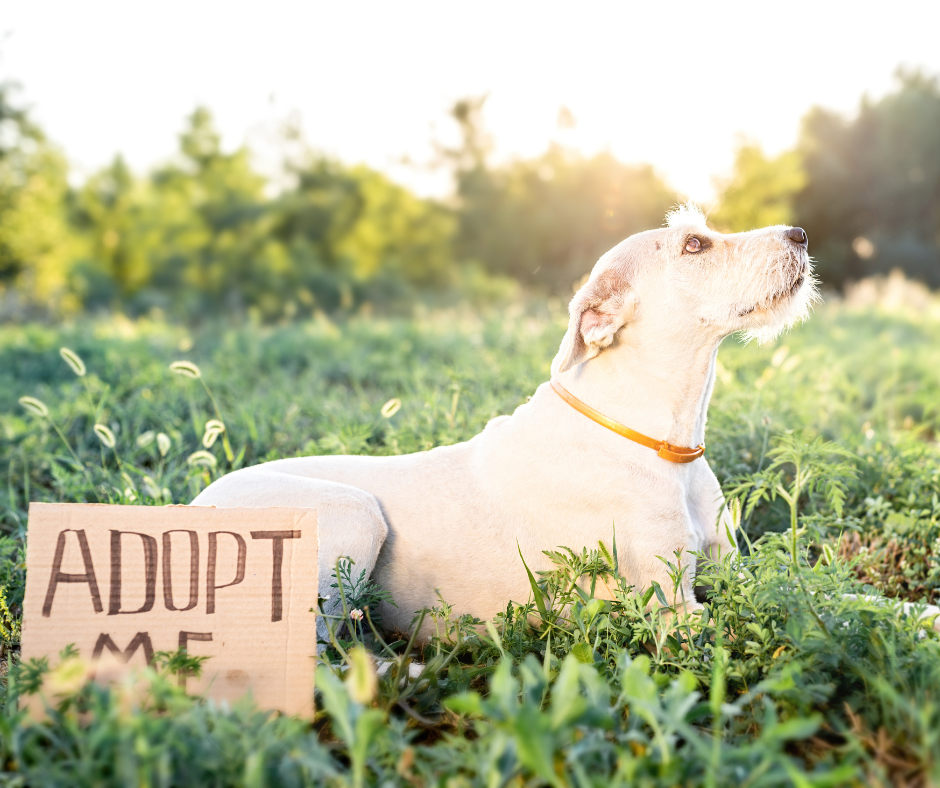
{"x": 760, "y": 191}
{"x": 547, "y": 220}
{"x": 872, "y": 197}
{"x": 36, "y": 242}
{"x": 397, "y": 234}
{"x": 113, "y": 210}
{"x": 210, "y": 205}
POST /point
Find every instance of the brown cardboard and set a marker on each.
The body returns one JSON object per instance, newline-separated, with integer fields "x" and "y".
{"x": 121, "y": 582}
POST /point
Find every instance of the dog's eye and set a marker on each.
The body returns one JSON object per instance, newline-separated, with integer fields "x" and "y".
{"x": 693, "y": 245}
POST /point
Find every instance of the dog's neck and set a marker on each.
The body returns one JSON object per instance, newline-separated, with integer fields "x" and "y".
{"x": 660, "y": 388}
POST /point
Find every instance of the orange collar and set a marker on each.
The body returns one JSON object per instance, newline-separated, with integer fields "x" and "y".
{"x": 662, "y": 448}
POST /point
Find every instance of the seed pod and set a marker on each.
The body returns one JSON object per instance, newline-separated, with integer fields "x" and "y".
{"x": 213, "y": 429}
{"x": 361, "y": 681}
{"x": 34, "y": 406}
{"x": 201, "y": 459}
{"x": 391, "y": 407}
{"x": 73, "y": 360}
{"x": 185, "y": 368}
{"x": 150, "y": 487}
{"x": 163, "y": 443}
{"x": 105, "y": 435}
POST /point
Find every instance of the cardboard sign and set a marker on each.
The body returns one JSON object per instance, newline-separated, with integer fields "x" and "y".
{"x": 122, "y": 582}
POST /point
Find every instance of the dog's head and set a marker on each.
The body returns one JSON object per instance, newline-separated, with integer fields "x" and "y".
{"x": 687, "y": 280}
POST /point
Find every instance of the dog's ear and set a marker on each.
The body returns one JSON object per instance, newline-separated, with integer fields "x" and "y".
{"x": 597, "y": 312}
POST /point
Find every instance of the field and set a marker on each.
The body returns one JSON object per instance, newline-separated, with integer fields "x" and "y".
{"x": 826, "y": 440}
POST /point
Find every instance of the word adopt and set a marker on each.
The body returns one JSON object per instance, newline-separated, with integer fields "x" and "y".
{"x": 236, "y": 585}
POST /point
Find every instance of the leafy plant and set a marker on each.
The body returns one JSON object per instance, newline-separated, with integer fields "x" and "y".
{"x": 780, "y": 680}
{"x": 801, "y": 465}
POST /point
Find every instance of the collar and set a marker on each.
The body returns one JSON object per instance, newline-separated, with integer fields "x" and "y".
{"x": 662, "y": 448}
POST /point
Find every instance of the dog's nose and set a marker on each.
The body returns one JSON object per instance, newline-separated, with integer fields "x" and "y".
{"x": 797, "y": 235}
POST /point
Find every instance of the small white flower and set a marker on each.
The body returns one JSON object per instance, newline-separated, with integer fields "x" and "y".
{"x": 355, "y": 614}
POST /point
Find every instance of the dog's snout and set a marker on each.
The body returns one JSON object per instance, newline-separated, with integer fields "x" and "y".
{"x": 797, "y": 235}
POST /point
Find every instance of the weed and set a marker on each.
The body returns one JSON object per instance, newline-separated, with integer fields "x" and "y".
{"x": 780, "y": 680}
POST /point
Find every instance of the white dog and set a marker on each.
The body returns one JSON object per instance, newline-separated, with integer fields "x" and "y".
{"x": 566, "y": 468}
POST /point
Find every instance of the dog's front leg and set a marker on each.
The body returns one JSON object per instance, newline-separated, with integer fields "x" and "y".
{"x": 713, "y": 522}
{"x": 661, "y": 554}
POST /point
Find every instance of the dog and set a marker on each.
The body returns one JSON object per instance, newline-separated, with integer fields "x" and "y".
{"x": 613, "y": 443}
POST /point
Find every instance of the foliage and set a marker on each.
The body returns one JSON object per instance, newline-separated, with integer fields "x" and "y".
{"x": 11, "y": 625}
{"x": 203, "y": 234}
{"x": 546, "y": 220}
{"x": 871, "y": 200}
{"x": 826, "y": 438}
{"x": 900, "y": 555}
{"x": 818, "y": 467}
{"x": 864, "y": 187}
{"x": 36, "y": 243}
{"x": 776, "y": 683}
{"x": 760, "y": 193}
{"x": 359, "y": 598}
{"x": 206, "y": 234}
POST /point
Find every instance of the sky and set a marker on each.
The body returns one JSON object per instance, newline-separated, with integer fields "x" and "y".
{"x": 675, "y": 84}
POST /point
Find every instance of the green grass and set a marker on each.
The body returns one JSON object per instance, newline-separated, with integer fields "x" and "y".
{"x": 783, "y": 681}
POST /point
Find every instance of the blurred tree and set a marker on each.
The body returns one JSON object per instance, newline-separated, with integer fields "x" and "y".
{"x": 112, "y": 208}
{"x": 209, "y": 205}
{"x": 547, "y": 220}
{"x": 200, "y": 235}
{"x": 36, "y": 242}
{"x": 323, "y": 207}
{"x": 397, "y": 234}
{"x": 346, "y": 227}
{"x": 760, "y": 191}
{"x": 476, "y": 144}
{"x": 872, "y": 197}
{"x": 207, "y": 234}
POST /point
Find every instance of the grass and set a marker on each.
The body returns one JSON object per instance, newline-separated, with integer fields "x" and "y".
{"x": 825, "y": 440}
